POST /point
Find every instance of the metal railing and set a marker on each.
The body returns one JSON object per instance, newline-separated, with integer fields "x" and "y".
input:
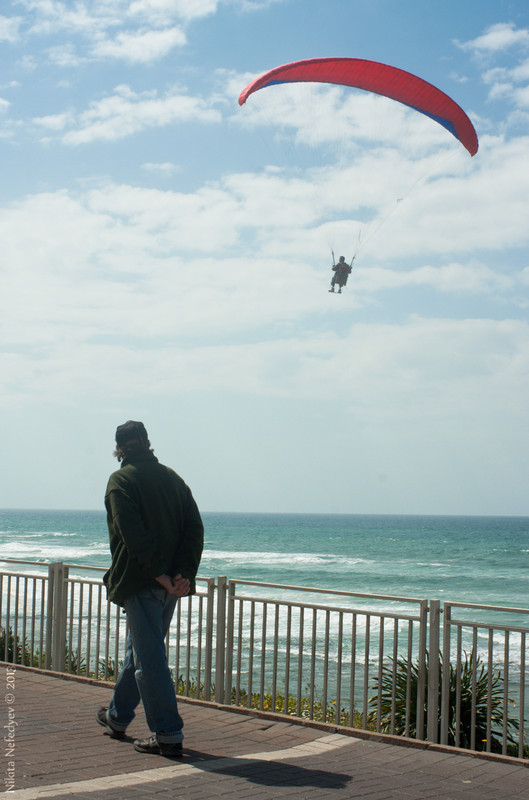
{"x": 312, "y": 658}
{"x": 396, "y": 665}
{"x": 497, "y": 668}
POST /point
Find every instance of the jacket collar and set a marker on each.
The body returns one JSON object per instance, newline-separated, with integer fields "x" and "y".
{"x": 138, "y": 457}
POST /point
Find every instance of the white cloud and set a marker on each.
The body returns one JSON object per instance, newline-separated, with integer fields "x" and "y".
{"x": 27, "y": 63}
{"x": 373, "y": 204}
{"x": 125, "y": 112}
{"x": 500, "y": 41}
{"x": 140, "y": 46}
{"x": 422, "y": 370}
{"x": 93, "y": 17}
{"x": 121, "y": 295}
{"x": 479, "y": 206}
{"x": 139, "y": 32}
{"x": 162, "y": 168}
{"x": 9, "y": 28}
{"x": 521, "y": 97}
{"x": 202, "y": 222}
{"x": 65, "y": 55}
{"x": 504, "y": 83}
{"x": 89, "y": 18}
{"x": 502, "y": 36}
{"x": 162, "y": 11}
{"x": 117, "y": 260}
{"x": 205, "y": 298}
{"x": 453, "y": 278}
{"x": 252, "y": 5}
{"x": 521, "y": 72}
{"x": 54, "y": 122}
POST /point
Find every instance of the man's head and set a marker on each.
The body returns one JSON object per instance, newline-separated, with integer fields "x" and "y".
{"x": 131, "y": 438}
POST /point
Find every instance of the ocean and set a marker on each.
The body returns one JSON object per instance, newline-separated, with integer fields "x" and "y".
{"x": 467, "y": 559}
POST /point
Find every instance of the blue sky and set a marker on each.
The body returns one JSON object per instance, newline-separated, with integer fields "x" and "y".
{"x": 166, "y": 255}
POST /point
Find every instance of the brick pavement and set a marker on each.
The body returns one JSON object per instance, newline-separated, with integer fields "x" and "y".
{"x": 59, "y": 751}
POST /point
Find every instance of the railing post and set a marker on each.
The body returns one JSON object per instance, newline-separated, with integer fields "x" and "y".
{"x": 49, "y": 616}
{"x": 210, "y": 616}
{"x": 221, "y": 639}
{"x": 56, "y": 616}
{"x": 421, "y": 676}
{"x": 445, "y": 686}
{"x": 432, "y": 703}
{"x": 228, "y": 669}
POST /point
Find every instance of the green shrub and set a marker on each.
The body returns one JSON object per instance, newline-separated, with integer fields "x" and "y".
{"x": 488, "y": 686}
{"x": 14, "y": 650}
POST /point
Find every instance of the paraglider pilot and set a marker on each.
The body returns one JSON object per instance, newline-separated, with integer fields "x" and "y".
{"x": 341, "y": 273}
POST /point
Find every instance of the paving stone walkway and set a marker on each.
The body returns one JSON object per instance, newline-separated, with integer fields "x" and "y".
{"x": 54, "y": 748}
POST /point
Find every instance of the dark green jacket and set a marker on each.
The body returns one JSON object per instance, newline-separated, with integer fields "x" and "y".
{"x": 154, "y": 527}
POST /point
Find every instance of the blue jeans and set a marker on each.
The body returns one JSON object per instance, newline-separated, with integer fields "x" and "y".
{"x": 146, "y": 675}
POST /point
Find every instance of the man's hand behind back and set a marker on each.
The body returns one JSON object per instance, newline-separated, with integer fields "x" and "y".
{"x": 178, "y": 585}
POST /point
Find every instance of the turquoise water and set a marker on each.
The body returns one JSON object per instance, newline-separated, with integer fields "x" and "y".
{"x": 466, "y": 559}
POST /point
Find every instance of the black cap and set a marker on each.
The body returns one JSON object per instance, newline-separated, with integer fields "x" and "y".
{"x": 130, "y": 431}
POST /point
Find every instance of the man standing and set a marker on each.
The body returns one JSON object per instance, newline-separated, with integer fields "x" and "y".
{"x": 156, "y": 540}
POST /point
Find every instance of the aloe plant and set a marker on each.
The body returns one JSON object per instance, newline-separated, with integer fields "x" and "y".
{"x": 488, "y": 687}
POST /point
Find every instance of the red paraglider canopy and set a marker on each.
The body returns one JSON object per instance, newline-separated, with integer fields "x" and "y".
{"x": 382, "y": 79}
